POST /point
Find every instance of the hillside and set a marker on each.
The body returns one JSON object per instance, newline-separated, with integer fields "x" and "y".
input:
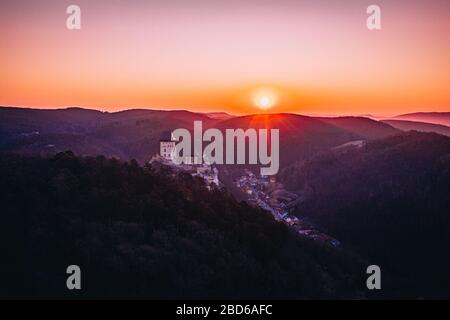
{"x": 141, "y": 233}
{"x": 126, "y": 135}
{"x": 302, "y": 136}
{"x": 389, "y": 201}
{"x": 419, "y": 126}
{"x": 365, "y": 128}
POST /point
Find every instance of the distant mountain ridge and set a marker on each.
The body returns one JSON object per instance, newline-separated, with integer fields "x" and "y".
{"x": 135, "y": 134}
{"x": 442, "y": 118}
{"x": 366, "y": 127}
{"x": 219, "y": 115}
{"x": 419, "y": 126}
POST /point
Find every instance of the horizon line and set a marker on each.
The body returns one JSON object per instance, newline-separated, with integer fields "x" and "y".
{"x": 175, "y": 109}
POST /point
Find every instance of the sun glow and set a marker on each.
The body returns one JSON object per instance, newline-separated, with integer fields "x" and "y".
{"x": 265, "y": 99}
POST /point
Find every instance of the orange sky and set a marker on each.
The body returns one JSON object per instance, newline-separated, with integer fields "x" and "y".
{"x": 317, "y": 56}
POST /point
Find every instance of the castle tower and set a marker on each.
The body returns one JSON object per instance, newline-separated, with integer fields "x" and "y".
{"x": 167, "y": 149}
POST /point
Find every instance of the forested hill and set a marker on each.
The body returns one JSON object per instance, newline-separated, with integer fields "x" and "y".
{"x": 390, "y": 200}
{"x": 141, "y": 233}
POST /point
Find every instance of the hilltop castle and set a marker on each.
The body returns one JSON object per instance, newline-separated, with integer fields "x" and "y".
{"x": 204, "y": 170}
{"x": 167, "y": 149}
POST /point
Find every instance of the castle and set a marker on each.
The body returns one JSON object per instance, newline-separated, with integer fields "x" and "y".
{"x": 205, "y": 170}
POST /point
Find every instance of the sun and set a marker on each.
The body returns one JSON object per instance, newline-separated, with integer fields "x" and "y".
{"x": 264, "y": 103}
{"x": 264, "y": 99}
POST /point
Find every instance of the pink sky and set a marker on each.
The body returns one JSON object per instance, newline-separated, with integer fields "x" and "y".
{"x": 209, "y": 55}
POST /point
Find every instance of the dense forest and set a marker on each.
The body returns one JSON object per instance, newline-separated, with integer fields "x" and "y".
{"x": 390, "y": 201}
{"x": 145, "y": 232}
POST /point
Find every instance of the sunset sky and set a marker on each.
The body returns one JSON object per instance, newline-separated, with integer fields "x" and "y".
{"x": 303, "y": 56}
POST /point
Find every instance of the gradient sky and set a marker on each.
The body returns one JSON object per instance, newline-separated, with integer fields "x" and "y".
{"x": 317, "y": 56}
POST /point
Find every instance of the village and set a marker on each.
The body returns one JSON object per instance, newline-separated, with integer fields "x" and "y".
{"x": 266, "y": 193}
